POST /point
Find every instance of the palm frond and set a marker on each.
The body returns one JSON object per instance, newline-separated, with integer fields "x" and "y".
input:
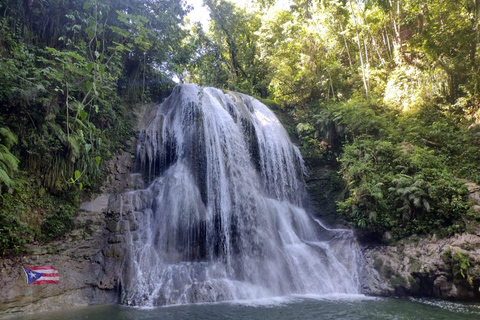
{"x": 5, "y": 178}
{"x": 9, "y": 138}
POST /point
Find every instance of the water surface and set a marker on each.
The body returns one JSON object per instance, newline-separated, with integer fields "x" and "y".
{"x": 349, "y": 307}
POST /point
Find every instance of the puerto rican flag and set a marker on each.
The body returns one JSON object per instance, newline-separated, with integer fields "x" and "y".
{"x": 41, "y": 275}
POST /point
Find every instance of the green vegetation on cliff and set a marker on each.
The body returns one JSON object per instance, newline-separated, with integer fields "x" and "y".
{"x": 388, "y": 88}
{"x": 71, "y": 71}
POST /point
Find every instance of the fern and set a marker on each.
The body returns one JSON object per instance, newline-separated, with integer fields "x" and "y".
{"x": 9, "y": 137}
{"x": 8, "y": 162}
{"x": 5, "y": 178}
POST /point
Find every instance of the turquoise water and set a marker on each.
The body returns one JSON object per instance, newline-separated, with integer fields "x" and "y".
{"x": 352, "y": 307}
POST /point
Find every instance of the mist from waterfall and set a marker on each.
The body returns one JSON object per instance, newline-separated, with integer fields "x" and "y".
{"x": 223, "y": 217}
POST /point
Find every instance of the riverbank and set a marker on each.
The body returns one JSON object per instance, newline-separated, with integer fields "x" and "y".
{"x": 89, "y": 258}
{"x": 429, "y": 266}
{"x": 425, "y": 267}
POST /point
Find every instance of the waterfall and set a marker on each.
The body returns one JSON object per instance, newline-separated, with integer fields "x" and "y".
{"x": 223, "y": 217}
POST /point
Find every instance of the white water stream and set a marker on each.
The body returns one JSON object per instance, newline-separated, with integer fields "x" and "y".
{"x": 223, "y": 217}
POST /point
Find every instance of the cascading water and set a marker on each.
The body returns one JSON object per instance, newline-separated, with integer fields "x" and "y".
{"x": 223, "y": 217}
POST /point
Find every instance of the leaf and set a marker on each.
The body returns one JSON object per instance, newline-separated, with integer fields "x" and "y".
{"x": 95, "y": 89}
{"x": 87, "y": 5}
{"x": 5, "y": 178}
{"x": 81, "y": 123}
{"x": 90, "y": 32}
{"x": 426, "y": 205}
{"x": 120, "y": 31}
{"x": 83, "y": 115}
{"x": 89, "y": 67}
{"x": 74, "y": 147}
{"x": 89, "y": 85}
{"x": 58, "y": 132}
{"x": 9, "y": 136}
{"x": 417, "y": 202}
{"x": 76, "y": 56}
{"x": 88, "y": 147}
{"x": 7, "y": 160}
{"x": 97, "y": 159}
{"x": 77, "y": 174}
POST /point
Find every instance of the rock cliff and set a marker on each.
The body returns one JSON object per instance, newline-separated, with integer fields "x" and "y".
{"x": 428, "y": 267}
{"x": 89, "y": 259}
{"x": 80, "y": 259}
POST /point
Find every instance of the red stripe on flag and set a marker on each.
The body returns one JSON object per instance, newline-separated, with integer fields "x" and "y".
{"x": 45, "y": 281}
{"x": 50, "y": 274}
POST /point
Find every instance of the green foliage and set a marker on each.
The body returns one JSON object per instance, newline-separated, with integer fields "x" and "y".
{"x": 28, "y": 214}
{"x": 405, "y": 52}
{"x": 396, "y": 181}
{"x": 8, "y": 162}
{"x": 311, "y": 146}
{"x": 58, "y": 223}
{"x": 229, "y": 57}
{"x": 67, "y": 84}
{"x": 71, "y": 75}
{"x": 462, "y": 262}
{"x": 12, "y": 233}
{"x": 390, "y": 89}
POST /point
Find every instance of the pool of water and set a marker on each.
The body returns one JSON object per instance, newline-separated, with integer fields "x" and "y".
{"x": 353, "y": 307}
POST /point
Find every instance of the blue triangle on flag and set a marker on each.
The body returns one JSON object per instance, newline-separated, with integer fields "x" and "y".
{"x": 32, "y": 275}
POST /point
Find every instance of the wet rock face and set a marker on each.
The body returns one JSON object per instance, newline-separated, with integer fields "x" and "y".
{"x": 428, "y": 267}
{"x": 89, "y": 258}
{"x": 431, "y": 267}
{"x": 81, "y": 263}
{"x": 474, "y": 195}
{"x": 120, "y": 176}
{"x": 325, "y": 187}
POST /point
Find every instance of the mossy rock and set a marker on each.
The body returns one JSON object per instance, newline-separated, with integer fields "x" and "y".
{"x": 398, "y": 282}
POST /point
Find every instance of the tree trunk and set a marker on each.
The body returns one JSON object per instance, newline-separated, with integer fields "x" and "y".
{"x": 359, "y": 50}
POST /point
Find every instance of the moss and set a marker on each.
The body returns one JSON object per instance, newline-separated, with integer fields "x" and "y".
{"x": 446, "y": 256}
{"x": 388, "y": 271}
{"x": 114, "y": 252}
{"x": 398, "y": 281}
{"x": 58, "y": 223}
{"x": 470, "y": 246}
{"x": 414, "y": 264}
{"x": 53, "y": 249}
{"x": 378, "y": 263}
{"x": 112, "y": 226}
{"x": 412, "y": 281}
